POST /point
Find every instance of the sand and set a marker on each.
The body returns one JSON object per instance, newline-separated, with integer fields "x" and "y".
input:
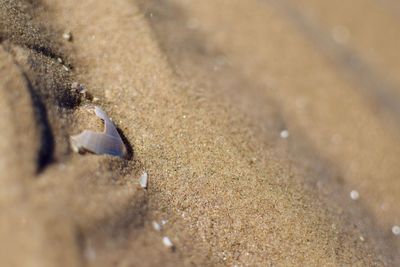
{"x": 200, "y": 92}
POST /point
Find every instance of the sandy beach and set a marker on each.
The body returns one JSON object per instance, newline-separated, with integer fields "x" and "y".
{"x": 269, "y": 131}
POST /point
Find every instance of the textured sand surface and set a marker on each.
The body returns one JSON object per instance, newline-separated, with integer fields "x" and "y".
{"x": 200, "y": 92}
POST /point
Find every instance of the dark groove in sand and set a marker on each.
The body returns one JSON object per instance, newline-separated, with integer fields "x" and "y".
{"x": 46, "y": 150}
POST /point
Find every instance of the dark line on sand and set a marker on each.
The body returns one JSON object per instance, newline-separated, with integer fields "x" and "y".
{"x": 46, "y": 149}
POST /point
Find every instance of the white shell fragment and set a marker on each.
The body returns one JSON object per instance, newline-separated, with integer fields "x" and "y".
{"x": 108, "y": 142}
{"x": 354, "y": 195}
{"x": 67, "y": 36}
{"x": 156, "y": 226}
{"x": 396, "y": 230}
{"x": 167, "y": 242}
{"x": 284, "y": 134}
{"x": 143, "y": 180}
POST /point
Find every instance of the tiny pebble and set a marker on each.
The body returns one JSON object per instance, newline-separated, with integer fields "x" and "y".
{"x": 362, "y": 238}
{"x": 156, "y": 226}
{"x": 143, "y": 180}
{"x": 163, "y": 222}
{"x": 396, "y": 230}
{"x": 67, "y": 36}
{"x": 284, "y": 134}
{"x": 59, "y": 60}
{"x": 354, "y": 195}
{"x": 65, "y": 68}
{"x": 167, "y": 242}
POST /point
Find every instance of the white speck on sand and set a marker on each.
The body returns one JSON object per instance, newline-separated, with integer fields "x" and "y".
{"x": 284, "y": 134}
{"x": 143, "y": 180}
{"x": 163, "y": 222}
{"x": 167, "y": 242}
{"x": 156, "y": 226}
{"x": 396, "y": 230}
{"x": 67, "y": 36}
{"x": 354, "y": 195}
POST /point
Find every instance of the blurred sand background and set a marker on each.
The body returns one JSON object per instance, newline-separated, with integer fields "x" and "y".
{"x": 201, "y": 92}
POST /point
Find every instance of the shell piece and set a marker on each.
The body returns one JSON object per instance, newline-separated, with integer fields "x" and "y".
{"x": 354, "y": 195}
{"x": 284, "y": 134}
{"x": 396, "y": 230}
{"x": 108, "y": 142}
{"x": 143, "y": 180}
{"x": 167, "y": 242}
{"x": 156, "y": 226}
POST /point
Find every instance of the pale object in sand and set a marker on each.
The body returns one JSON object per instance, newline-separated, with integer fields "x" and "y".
{"x": 167, "y": 242}
{"x": 108, "y": 142}
{"x": 284, "y": 134}
{"x": 143, "y": 180}
{"x": 67, "y": 36}
{"x": 156, "y": 226}
{"x": 396, "y": 230}
{"x": 354, "y": 195}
